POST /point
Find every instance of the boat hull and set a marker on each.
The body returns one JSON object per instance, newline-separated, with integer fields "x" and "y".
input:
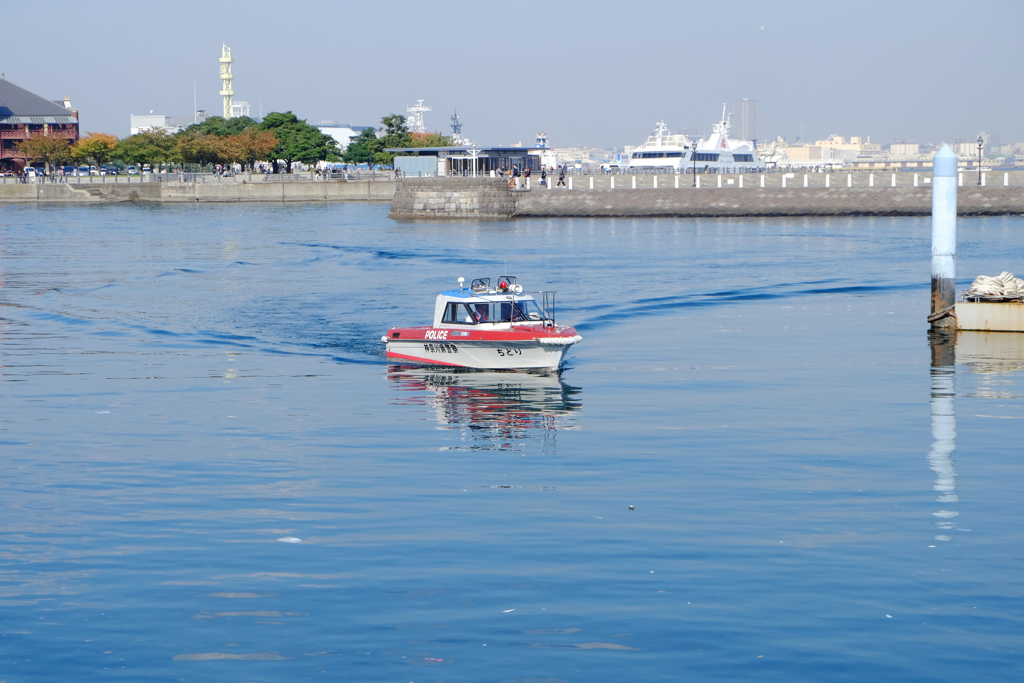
{"x": 518, "y": 348}
{"x": 490, "y": 355}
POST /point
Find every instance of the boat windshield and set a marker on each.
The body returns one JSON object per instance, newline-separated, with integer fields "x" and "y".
{"x": 492, "y": 312}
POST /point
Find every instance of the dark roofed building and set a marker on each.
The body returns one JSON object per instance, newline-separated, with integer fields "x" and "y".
{"x": 24, "y": 114}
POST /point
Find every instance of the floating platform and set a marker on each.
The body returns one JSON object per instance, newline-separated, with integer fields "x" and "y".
{"x": 996, "y": 316}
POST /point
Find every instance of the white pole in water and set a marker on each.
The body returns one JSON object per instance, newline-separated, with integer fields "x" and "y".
{"x": 944, "y": 184}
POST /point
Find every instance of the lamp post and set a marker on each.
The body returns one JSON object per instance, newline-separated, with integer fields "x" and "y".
{"x": 981, "y": 144}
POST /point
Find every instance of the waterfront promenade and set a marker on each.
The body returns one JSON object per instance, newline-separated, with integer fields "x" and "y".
{"x": 856, "y": 194}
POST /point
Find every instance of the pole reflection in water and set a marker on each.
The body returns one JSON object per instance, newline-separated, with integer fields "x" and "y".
{"x": 990, "y": 355}
{"x": 940, "y": 458}
{"x": 491, "y": 406}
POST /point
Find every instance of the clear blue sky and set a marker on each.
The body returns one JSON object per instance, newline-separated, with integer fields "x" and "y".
{"x": 589, "y": 73}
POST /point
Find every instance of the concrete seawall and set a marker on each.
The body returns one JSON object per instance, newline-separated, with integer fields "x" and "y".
{"x": 190, "y": 192}
{"x": 473, "y": 198}
{"x": 834, "y": 201}
{"x": 448, "y": 198}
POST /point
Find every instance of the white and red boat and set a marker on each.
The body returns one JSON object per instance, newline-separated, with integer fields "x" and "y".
{"x": 500, "y": 328}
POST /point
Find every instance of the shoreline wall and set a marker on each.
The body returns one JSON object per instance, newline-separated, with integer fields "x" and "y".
{"x": 192, "y": 192}
{"x": 462, "y": 198}
{"x": 735, "y": 202}
{"x": 490, "y": 198}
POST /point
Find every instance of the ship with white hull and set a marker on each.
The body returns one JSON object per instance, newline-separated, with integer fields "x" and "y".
{"x": 679, "y": 153}
{"x": 479, "y": 327}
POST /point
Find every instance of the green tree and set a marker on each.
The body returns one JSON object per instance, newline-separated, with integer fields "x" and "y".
{"x": 153, "y": 146}
{"x": 299, "y": 141}
{"x": 221, "y": 127}
{"x": 362, "y": 147}
{"x": 396, "y": 134}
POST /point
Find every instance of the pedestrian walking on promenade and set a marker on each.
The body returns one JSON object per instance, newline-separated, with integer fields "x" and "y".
{"x": 543, "y": 177}
{"x": 561, "y": 177}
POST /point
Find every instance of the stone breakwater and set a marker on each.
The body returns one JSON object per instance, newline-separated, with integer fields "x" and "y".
{"x": 447, "y": 198}
{"x": 443, "y": 198}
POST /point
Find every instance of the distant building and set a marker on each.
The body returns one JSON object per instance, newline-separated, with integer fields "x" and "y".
{"x": 23, "y": 114}
{"x": 168, "y": 124}
{"x": 744, "y": 123}
{"x": 463, "y": 161}
{"x": 904, "y": 149}
{"x": 855, "y": 144}
{"x": 343, "y": 135}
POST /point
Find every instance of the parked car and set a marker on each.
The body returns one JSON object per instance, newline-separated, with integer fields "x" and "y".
{"x": 93, "y": 170}
{"x": 30, "y": 172}
{"x": 68, "y": 170}
{"x": 103, "y": 170}
{"x": 113, "y": 171}
{"x": 146, "y": 169}
{"x": 133, "y": 170}
{"x": 82, "y": 171}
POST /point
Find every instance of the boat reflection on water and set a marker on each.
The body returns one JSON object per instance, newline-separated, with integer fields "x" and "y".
{"x": 489, "y": 405}
{"x": 993, "y": 356}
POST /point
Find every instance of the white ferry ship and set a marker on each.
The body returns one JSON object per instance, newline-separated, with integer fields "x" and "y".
{"x": 679, "y": 153}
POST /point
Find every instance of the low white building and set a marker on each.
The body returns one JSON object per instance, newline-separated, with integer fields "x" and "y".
{"x": 165, "y": 122}
{"x": 342, "y": 134}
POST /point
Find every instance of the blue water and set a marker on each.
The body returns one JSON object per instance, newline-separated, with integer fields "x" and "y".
{"x": 182, "y": 387}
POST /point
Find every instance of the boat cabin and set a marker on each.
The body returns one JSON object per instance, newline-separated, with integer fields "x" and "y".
{"x": 498, "y": 307}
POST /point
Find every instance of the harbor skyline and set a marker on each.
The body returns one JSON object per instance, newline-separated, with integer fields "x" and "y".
{"x": 813, "y": 71}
